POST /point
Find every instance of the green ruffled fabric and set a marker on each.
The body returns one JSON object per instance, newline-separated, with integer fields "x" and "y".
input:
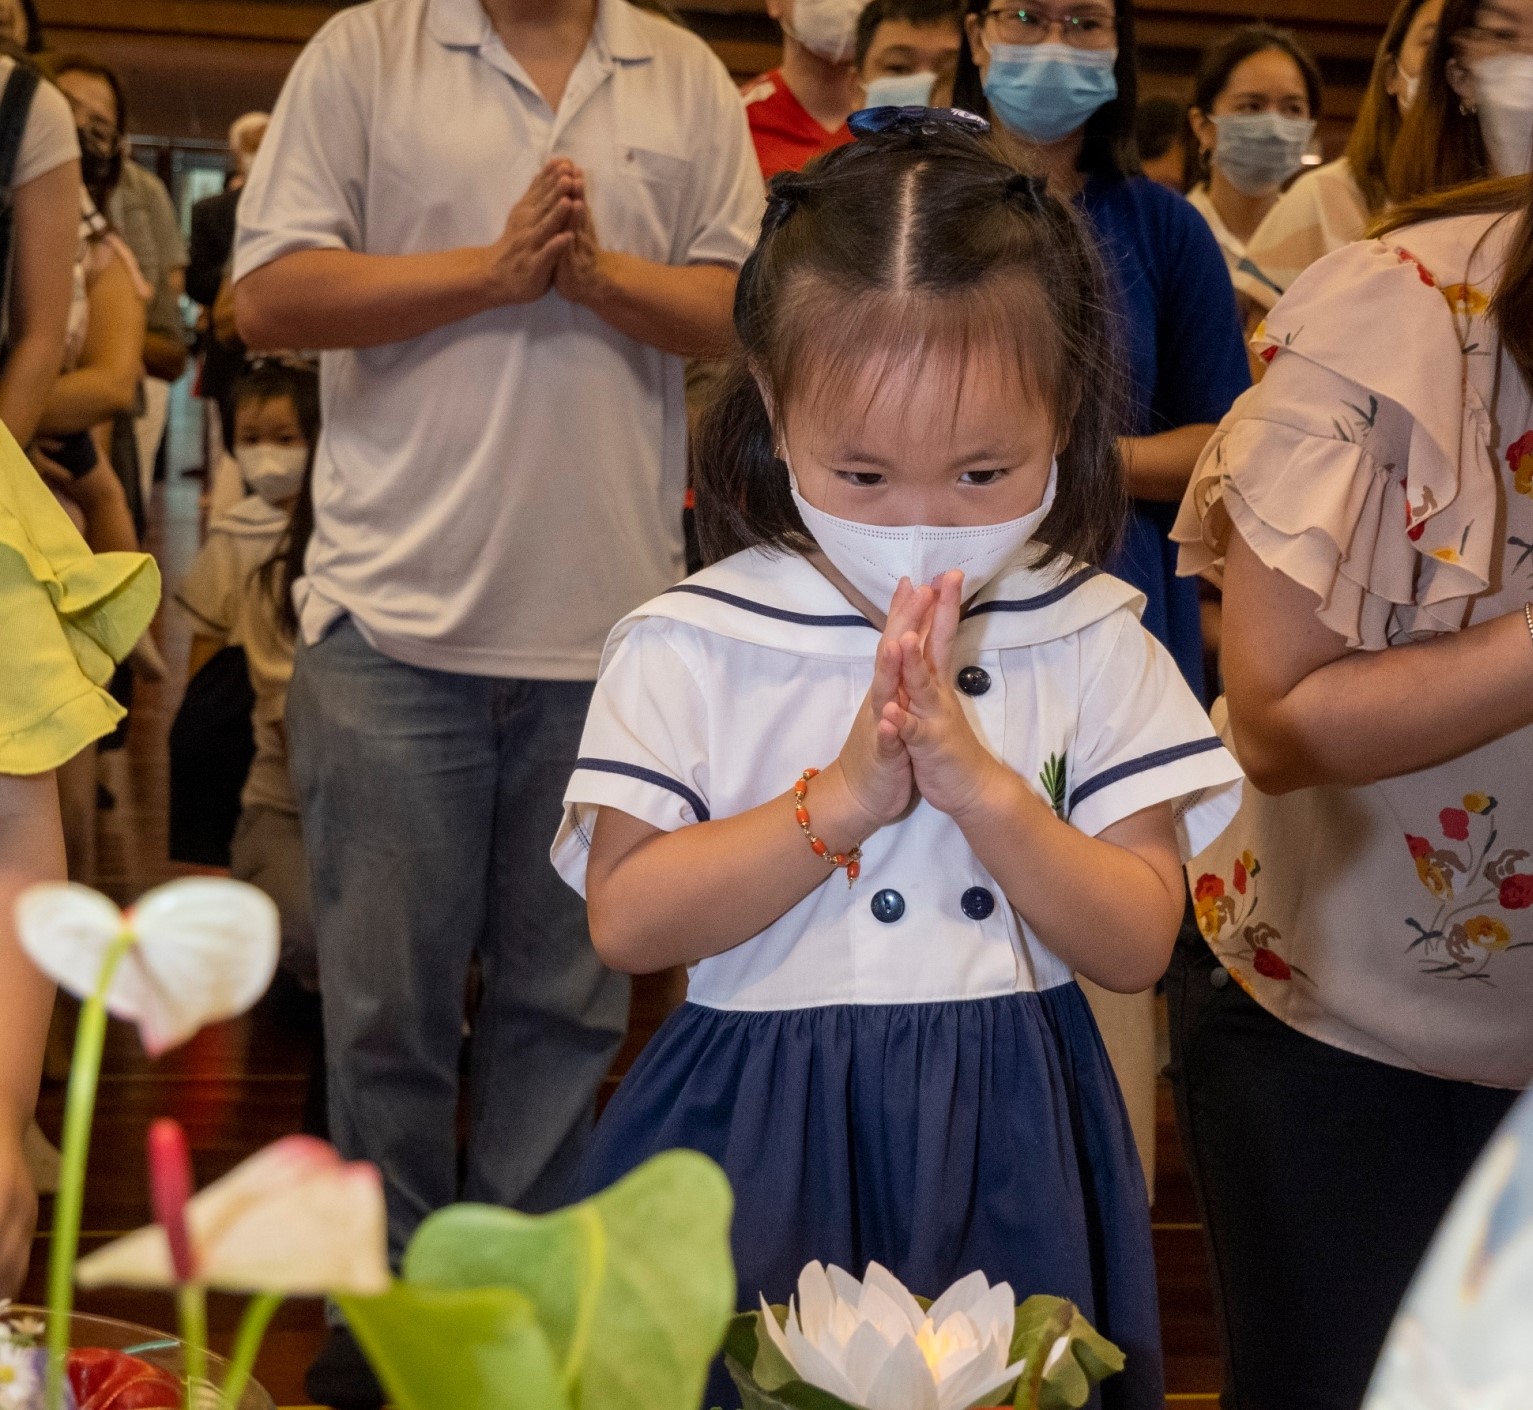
{"x": 67, "y": 617}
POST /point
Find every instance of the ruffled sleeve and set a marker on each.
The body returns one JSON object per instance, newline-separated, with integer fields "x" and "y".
{"x": 1363, "y": 466}
{"x": 69, "y": 616}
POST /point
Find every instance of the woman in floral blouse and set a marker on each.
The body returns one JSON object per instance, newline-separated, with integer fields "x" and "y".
{"x": 1358, "y": 1014}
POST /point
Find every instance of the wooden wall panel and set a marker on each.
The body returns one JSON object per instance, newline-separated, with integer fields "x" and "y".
{"x": 193, "y": 65}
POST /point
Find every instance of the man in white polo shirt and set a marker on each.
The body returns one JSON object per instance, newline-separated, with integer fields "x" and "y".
{"x": 506, "y": 223}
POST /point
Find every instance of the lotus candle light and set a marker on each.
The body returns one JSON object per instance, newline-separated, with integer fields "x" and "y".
{"x": 842, "y": 1344}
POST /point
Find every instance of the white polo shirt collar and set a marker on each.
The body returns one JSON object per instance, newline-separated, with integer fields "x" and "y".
{"x": 464, "y": 24}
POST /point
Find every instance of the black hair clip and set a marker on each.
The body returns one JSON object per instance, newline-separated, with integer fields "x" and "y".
{"x": 1027, "y": 190}
{"x": 784, "y": 192}
{"x": 914, "y": 122}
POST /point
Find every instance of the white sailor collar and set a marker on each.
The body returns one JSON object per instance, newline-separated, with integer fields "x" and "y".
{"x": 782, "y": 601}
{"x": 251, "y": 517}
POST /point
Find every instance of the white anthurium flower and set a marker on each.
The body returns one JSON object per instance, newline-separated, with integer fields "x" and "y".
{"x": 294, "y": 1218}
{"x": 870, "y": 1343}
{"x": 203, "y": 949}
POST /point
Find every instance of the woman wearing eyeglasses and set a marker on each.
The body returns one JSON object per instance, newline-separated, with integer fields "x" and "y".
{"x": 1060, "y": 84}
{"x": 1059, "y": 80}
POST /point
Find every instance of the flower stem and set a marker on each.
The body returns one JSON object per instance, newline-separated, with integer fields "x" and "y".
{"x": 192, "y": 1304}
{"x": 247, "y": 1344}
{"x": 79, "y": 1109}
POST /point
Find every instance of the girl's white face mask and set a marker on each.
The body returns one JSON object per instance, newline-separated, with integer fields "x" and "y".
{"x": 874, "y": 557}
{"x": 275, "y": 472}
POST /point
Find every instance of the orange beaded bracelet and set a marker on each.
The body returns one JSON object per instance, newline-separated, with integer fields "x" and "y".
{"x": 852, "y": 860}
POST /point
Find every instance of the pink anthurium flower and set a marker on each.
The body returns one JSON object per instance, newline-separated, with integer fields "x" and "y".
{"x": 190, "y": 953}
{"x": 294, "y": 1218}
{"x": 170, "y": 1190}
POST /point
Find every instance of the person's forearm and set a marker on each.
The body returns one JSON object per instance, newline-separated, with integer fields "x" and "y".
{"x": 340, "y": 299}
{"x": 1160, "y": 466}
{"x": 1102, "y": 909}
{"x": 31, "y": 850}
{"x": 30, "y": 372}
{"x": 164, "y": 356}
{"x": 682, "y": 896}
{"x": 1378, "y": 714}
{"x": 681, "y": 309}
{"x": 86, "y": 397}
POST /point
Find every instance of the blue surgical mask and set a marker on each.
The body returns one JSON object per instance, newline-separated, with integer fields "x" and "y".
{"x": 1258, "y": 152}
{"x": 901, "y": 90}
{"x": 1044, "y": 92}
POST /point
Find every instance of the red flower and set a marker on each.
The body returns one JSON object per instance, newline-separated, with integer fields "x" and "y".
{"x": 1267, "y": 354}
{"x": 1240, "y": 877}
{"x": 1455, "y": 824}
{"x": 110, "y": 1380}
{"x": 1419, "y": 846}
{"x": 1522, "y": 446}
{"x": 1517, "y": 892}
{"x": 1271, "y": 964}
{"x": 1406, "y": 257}
{"x": 1209, "y": 888}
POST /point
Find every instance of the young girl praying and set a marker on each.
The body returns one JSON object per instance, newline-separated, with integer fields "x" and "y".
{"x": 902, "y": 760}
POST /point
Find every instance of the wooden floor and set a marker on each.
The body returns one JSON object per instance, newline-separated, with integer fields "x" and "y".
{"x": 241, "y": 1085}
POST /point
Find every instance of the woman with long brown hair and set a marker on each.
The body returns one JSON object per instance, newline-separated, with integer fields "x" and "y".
{"x": 1331, "y": 206}
{"x": 1353, "y": 1023}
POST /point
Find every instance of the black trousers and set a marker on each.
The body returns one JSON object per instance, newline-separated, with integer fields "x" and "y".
{"x": 1320, "y": 1176}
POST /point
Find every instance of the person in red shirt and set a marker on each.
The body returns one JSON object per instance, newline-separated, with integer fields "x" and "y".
{"x": 799, "y": 110}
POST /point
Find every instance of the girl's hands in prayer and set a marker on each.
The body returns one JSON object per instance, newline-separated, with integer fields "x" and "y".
{"x": 952, "y": 770}
{"x": 874, "y": 764}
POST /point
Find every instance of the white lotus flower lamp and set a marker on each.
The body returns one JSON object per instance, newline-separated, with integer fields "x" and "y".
{"x": 872, "y": 1345}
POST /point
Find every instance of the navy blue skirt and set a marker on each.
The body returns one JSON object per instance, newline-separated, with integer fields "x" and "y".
{"x": 932, "y": 1138}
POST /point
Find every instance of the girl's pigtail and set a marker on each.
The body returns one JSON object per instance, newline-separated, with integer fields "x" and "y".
{"x": 740, "y": 484}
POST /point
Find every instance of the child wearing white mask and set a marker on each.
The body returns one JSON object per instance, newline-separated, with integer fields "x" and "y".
{"x": 1252, "y": 117}
{"x": 907, "y": 51}
{"x": 799, "y": 110}
{"x": 235, "y": 592}
{"x": 902, "y": 760}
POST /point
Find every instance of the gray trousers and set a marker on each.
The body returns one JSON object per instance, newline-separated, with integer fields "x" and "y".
{"x": 429, "y": 803}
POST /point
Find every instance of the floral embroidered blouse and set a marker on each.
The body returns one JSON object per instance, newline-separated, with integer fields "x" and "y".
{"x": 1386, "y": 464}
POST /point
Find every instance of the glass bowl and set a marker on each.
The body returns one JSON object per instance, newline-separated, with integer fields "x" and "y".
{"x": 157, "y": 1348}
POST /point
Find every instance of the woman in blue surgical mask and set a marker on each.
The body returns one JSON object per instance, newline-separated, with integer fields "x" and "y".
{"x": 1253, "y": 119}
{"x": 1058, "y": 82}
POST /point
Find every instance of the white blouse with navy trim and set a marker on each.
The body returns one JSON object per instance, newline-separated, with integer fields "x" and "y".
{"x": 715, "y": 696}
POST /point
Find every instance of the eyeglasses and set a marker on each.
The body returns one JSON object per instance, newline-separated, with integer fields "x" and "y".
{"x": 1091, "y": 29}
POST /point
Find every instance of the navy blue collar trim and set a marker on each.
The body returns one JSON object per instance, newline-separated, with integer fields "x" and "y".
{"x": 1035, "y": 604}
{"x": 660, "y": 780}
{"x": 1145, "y": 762}
{"x": 780, "y": 614}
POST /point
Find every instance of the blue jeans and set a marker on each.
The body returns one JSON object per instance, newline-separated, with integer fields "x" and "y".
{"x": 429, "y": 803}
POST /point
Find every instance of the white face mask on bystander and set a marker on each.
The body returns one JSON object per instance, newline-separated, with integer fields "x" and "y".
{"x": 827, "y": 28}
{"x": 275, "y": 472}
{"x": 1503, "y": 85}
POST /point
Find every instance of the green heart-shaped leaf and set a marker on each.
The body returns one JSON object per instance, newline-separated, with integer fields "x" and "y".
{"x": 633, "y": 1287}
{"x": 1088, "y": 1358}
{"x": 457, "y": 1350}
